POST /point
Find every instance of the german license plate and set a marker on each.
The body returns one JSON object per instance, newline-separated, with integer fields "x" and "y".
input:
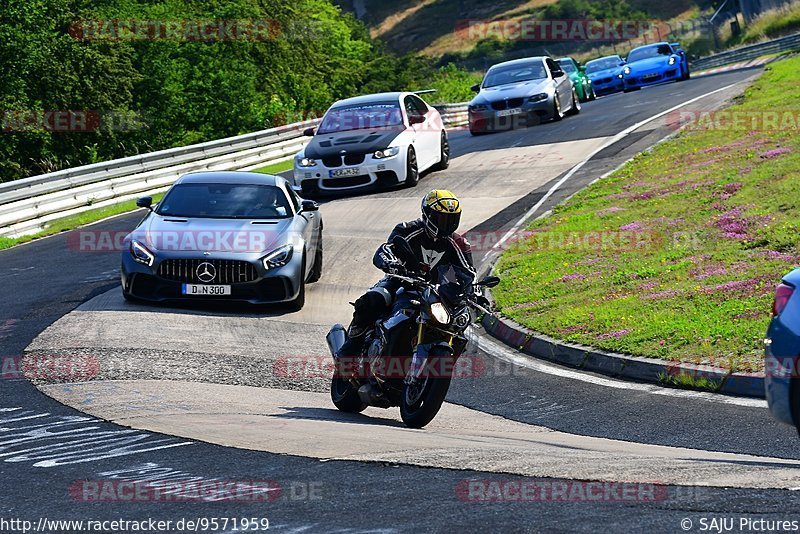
{"x": 338, "y": 173}
{"x": 200, "y": 290}
{"x": 651, "y": 76}
{"x": 509, "y": 112}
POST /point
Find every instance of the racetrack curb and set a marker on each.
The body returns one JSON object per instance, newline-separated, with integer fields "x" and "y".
{"x": 618, "y": 365}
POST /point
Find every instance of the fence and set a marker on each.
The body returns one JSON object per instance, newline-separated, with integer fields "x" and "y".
{"x": 27, "y": 205}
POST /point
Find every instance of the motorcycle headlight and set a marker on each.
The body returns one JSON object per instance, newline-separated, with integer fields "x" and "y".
{"x": 306, "y": 162}
{"x": 386, "y": 153}
{"x": 626, "y": 70}
{"x": 278, "y": 258}
{"x": 140, "y": 254}
{"x": 538, "y": 98}
{"x": 440, "y": 313}
{"x": 672, "y": 60}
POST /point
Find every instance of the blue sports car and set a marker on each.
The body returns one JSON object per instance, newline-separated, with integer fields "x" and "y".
{"x": 654, "y": 64}
{"x": 782, "y": 352}
{"x": 606, "y": 74}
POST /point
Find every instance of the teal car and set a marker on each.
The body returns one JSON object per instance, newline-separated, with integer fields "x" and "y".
{"x": 581, "y": 81}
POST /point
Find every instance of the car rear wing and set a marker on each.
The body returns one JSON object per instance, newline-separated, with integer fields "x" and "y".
{"x": 676, "y": 46}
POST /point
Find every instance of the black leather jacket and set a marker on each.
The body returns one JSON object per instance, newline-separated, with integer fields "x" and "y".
{"x": 427, "y": 253}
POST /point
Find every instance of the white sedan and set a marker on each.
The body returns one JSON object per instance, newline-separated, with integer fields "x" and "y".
{"x": 383, "y": 140}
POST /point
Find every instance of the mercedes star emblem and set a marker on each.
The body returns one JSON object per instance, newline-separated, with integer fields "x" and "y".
{"x": 206, "y": 272}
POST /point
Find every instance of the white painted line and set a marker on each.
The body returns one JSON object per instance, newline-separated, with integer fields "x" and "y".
{"x": 588, "y": 158}
{"x": 506, "y": 354}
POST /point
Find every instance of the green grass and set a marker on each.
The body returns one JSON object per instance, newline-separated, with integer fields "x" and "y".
{"x": 70, "y": 223}
{"x": 275, "y": 168}
{"x": 715, "y": 216}
{"x": 773, "y": 24}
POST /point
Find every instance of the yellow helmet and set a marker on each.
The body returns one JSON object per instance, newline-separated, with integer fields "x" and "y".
{"x": 441, "y": 213}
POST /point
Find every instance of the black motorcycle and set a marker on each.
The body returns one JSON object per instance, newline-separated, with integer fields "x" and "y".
{"x": 409, "y": 357}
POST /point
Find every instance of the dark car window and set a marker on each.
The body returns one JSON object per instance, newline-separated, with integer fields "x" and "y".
{"x": 415, "y": 106}
{"x": 567, "y": 66}
{"x": 603, "y": 64}
{"x": 225, "y": 201}
{"x": 362, "y": 117}
{"x": 517, "y": 73}
{"x": 647, "y": 52}
{"x": 553, "y": 66}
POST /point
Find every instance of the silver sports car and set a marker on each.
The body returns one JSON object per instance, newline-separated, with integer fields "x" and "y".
{"x": 521, "y": 92}
{"x": 225, "y": 236}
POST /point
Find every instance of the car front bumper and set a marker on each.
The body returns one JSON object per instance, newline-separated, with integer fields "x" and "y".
{"x": 491, "y": 120}
{"x": 607, "y": 86}
{"x": 385, "y": 172}
{"x": 160, "y": 283}
{"x": 645, "y": 78}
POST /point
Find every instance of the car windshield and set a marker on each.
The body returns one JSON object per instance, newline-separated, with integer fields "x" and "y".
{"x": 515, "y": 74}
{"x": 647, "y": 52}
{"x": 362, "y": 117}
{"x": 225, "y": 201}
{"x": 602, "y": 64}
{"x": 567, "y": 65}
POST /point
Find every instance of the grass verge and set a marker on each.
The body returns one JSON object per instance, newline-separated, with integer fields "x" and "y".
{"x": 275, "y": 168}
{"x": 676, "y": 255}
{"x": 70, "y": 223}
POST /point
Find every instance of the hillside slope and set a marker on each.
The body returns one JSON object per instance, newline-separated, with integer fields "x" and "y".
{"x": 429, "y": 27}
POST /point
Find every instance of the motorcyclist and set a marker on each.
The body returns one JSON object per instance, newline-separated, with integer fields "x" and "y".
{"x": 431, "y": 242}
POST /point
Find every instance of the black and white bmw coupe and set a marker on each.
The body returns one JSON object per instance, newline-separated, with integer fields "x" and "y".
{"x": 383, "y": 139}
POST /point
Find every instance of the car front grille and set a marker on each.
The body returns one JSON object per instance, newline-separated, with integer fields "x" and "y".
{"x": 349, "y": 159}
{"x": 604, "y": 80}
{"x": 500, "y": 105}
{"x": 225, "y": 271}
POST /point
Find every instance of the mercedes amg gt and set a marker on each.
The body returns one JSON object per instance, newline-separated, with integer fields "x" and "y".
{"x": 236, "y": 236}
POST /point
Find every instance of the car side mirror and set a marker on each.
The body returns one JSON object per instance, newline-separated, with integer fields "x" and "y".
{"x": 476, "y": 88}
{"x": 145, "y": 202}
{"x": 308, "y": 132}
{"x": 309, "y": 205}
{"x": 489, "y": 281}
{"x": 416, "y": 119}
{"x": 621, "y": 64}
{"x": 558, "y": 73}
{"x": 582, "y": 69}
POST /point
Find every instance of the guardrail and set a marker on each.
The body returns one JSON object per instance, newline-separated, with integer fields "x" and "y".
{"x": 790, "y": 43}
{"x": 27, "y": 205}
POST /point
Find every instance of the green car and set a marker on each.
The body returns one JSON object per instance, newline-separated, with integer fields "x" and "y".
{"x": 583, "y": 85}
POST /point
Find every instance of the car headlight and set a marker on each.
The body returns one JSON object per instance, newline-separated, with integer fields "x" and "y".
{"x": 306, "y": 162}
{"x": 278, "y": 258}
{"x": 626, "y": 70}
{"x": 538, "y": 98}
{"x": 140, "y": 254}
{"x": 478, "y": 107}
{"x": 672, "y": 60}
{"x": 619, "y": 76}
{"x": 440, "y": 313}
{"x": 386, "y": 153}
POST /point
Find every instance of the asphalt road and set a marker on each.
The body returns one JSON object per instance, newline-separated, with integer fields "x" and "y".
{"x": 42, "y": 281}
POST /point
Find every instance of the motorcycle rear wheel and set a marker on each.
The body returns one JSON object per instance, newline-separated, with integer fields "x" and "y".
{"x": 345, "y": 397}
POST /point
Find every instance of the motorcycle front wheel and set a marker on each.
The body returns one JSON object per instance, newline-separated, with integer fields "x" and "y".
{"x": 420, "y": 403}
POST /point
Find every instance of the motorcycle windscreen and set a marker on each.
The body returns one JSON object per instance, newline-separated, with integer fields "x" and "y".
{"x": 455, "y": 282}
